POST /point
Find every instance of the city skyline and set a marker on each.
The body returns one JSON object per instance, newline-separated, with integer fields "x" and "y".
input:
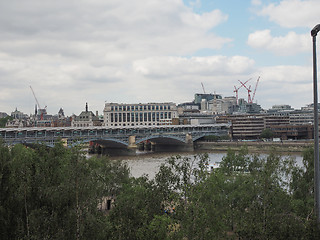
{"x": 156, "y": 51}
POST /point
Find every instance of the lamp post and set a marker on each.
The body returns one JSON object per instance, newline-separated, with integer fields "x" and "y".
{"x": 314, "y": 33}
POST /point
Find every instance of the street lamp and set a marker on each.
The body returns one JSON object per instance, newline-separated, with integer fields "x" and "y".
{"x": 314, "y": 33}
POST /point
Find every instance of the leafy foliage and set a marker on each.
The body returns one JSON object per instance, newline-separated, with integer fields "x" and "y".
{"x": 54, "y": 193}
{"x": 57, "y": 193}
{"x": 3, "y": 121}
{"x": 266, "y": 133}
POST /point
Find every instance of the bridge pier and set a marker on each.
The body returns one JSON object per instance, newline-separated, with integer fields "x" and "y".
{"x": 173, "y": 148}
{"x": 118, "y": 151}
{"x": 145, "y": 146}
{"x": 100, "y": 148}
{"x": 132, "y": 142}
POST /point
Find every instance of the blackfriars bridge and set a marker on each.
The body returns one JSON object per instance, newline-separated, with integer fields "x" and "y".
{"x": 114, "y": 137}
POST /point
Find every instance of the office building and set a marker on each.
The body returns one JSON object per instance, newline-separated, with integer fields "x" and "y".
{"x": 148, "y": 114}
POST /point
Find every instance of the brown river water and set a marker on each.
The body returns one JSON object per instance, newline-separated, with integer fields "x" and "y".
{"x": 149, "y": 162}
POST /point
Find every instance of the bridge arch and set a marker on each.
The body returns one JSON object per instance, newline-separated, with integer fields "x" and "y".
{"x": 195, "y": 138}
{"x": 155, "y": 137}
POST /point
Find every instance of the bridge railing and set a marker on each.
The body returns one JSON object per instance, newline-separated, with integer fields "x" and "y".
{"x": 19, "y": 135}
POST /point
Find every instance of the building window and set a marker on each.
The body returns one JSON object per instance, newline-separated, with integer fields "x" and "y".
{"x": 132, "y": 117}
{"x": 137, "y": 115}
{"x": 111, "y": 117}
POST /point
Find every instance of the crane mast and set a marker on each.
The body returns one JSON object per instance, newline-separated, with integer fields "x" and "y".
{"x": 34, "y": 95}
{"x": 255, "y": 89}
{"x": 41, "y": 110}
{"x": 203, "y": 88}
{"x": 243, "y": 84}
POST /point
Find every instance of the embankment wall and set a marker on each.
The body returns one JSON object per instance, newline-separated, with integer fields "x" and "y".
{"x": 284, "y": 146}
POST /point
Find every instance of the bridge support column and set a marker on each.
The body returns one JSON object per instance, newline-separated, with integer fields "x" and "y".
{"x": 189, "y": 139}
{"x": 132, "y": 142}
{"x": 189, "y": 143}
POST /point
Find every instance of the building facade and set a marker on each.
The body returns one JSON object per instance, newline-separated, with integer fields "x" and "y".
{"x": 148, "y": 114}
{"x": 250, "y": 126}
{"x": 85, "y": 119}
{"x": 227, "y": 105}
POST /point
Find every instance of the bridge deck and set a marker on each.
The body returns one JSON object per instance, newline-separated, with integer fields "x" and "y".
{"x": 50, "y": 134}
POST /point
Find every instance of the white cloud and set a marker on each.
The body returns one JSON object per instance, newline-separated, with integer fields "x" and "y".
{"x": 256, "y": 2}
{"x": 205, "y": 20}
{"x": 293, "y": 13}
{"x": 199, "y": 66}
{"x": 77, "y": 51}
{"x": 180, "y": 77}
{"x": 73, "y": 52}
{"x": 285, "y": 85}
{"x": 290, "y": 44}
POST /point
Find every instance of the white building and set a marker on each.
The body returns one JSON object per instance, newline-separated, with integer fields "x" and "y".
{"x": 222, "y": 106}
{"x": 116, "y": 114}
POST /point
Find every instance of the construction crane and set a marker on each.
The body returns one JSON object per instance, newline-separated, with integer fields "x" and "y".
{"x": 203, "y": 88}
{"x": 249, "y": 91}
{"x": 255, "y": 89}
{"x": 250, "y": 100}
{"x": 237, "y": 89}
{"x": 41, "y": 110}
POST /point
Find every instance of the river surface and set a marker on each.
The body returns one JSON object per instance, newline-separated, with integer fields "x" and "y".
{"x": 149, "y": 162}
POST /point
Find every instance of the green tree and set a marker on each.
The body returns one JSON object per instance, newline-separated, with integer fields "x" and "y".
{"x": 3, "y": 121}
{"x": 266, "y": 133}
{"x": 302, "y": 189}
{"x": 54, "y": 193}
{"x": 258, "y": 198}
{"x": 235, "y": 162}
{"x": 134, "y": 210}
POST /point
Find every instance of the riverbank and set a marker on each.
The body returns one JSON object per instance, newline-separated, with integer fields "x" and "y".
{"x": 254, "y": 146}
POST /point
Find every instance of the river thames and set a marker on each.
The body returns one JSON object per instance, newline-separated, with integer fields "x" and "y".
{"x": 149, "y": 162}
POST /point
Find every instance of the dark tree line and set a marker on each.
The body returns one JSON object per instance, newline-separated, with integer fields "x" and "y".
{"x": 3, "y": 121}
{"x": 54, "y": 193}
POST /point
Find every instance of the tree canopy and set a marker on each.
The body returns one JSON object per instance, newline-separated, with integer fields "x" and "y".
{"x": 57, "y": 193}
{"x": 266, "y": 133}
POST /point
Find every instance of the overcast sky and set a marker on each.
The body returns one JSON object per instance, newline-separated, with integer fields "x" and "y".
{"x": 138, "y": 51}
